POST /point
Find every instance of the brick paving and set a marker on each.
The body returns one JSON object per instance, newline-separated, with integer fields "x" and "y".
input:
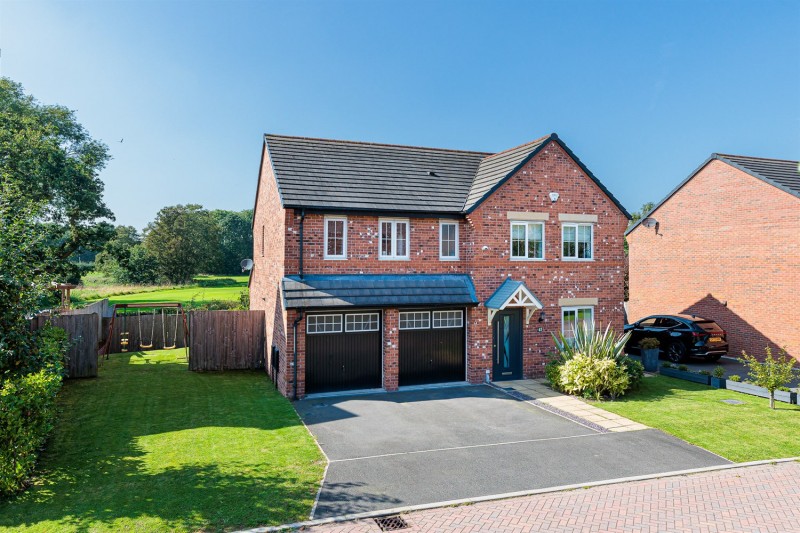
{"x": 750, "y": 499}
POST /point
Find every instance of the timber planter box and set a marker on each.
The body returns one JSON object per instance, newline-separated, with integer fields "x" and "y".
{"x": 718, "y": 383}
{"x": 755, "y": 390}
{"x": 685, "y": 375}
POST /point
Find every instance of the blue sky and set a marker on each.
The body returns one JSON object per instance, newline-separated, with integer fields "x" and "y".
{"x": 642, "y": 92}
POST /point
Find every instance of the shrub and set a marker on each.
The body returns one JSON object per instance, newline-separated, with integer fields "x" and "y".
{"x": 704, "y": 373}
{"x": 683, "y": 368}
{"x": 649, "y": 343}
{"x": 593, "y": 364}
{"x": 594, "y": 377}
{"x": 772, "y": 373}
{"x": 719, "y": 372}
{"x": 27, "y": 415}
{"x": 735, "y": 377}
{"x": 667, "y": 365}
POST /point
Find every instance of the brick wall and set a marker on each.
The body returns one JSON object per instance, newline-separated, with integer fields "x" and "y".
{"x": 727, "y": 248}
{"x": 268, "y": 258}
{"x": 552, "y": 170}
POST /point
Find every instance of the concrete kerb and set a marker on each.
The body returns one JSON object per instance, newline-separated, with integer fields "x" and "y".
{"x": 508, "y": 495}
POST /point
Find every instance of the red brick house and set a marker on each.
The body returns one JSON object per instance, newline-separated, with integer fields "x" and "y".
{"x": 725, "y": 245}
{"x": 383, "y": 266}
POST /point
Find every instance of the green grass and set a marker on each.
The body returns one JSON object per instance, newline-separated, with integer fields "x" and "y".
{"x": 150, "y": 446}
{"x": 696, "y": 414}
{"x": 203, "y": 290}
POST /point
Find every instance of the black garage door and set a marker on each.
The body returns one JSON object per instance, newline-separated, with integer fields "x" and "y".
{"x": 343, "y": 351}
{"x": 432, "y": 346}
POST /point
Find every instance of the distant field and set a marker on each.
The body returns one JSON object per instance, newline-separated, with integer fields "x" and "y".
{"x": 204, "y": 290}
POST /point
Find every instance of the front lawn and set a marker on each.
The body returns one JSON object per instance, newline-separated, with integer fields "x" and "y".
{"x": 150, "y": 446}
{"x": 696, "y": 414}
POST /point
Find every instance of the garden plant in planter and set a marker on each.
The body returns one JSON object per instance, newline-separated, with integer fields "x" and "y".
{"x": 718, "y": 378}
{"x": 649, "y": 349}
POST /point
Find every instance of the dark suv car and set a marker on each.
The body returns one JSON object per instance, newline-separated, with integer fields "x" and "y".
{"x": 681, "y": 336}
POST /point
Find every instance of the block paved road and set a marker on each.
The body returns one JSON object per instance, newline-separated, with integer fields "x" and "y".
{"x": 429, "y": 446}
{"x": 749, "y": 499}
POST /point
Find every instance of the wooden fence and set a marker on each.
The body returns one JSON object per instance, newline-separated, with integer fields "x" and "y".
{"x": 82, "y": 331}
{"x": 152, "y": 331}
{"x": 226, "y": 340}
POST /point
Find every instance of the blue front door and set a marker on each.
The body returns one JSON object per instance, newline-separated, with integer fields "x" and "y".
{"x": 507, "y": 345}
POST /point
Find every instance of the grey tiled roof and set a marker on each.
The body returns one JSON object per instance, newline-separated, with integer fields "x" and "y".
{"x": 351, "y": 176}
{"x": 778, "y": 172}
{"x": 321, "y": 173}
{"x": 374, "y": 290}
{"x": 495, "y": 168}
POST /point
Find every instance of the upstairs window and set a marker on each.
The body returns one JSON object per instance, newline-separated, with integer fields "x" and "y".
{"x": 527, "y": 240}
{"x": 335, "y": 238}
{"x": 576, "y": 241}
{"x": 448, "y": 240}
{"x": 394, "y": 239}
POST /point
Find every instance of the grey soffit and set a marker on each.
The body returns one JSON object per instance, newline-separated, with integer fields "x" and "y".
{"x": 495, "y": 168}
{"x": 330, "y": 174}
{"x": 319, "y": 291}
{"x": 778, "y": 172}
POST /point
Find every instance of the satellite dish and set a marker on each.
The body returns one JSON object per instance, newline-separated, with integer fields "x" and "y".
{"x": 649, "y": 222}
{"x": 247, "y": 264}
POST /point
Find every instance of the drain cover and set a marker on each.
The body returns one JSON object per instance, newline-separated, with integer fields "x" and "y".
{"x": 733, "y": 402}
{"x": 391, "y": 523}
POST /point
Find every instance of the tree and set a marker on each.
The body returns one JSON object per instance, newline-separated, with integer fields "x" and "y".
{"x": 235, "y": 239}
{"x": 184, "y": 240}
{"x": 772, "y": 373}
{"x": 53, "y": 163}
{"x": 636, "y": 216}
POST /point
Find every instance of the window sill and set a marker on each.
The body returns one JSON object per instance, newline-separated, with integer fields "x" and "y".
{"x": 577, "y": 260}
{"x": 334, "y": 258}
{"x": 448, "y": 258}
{"x": 394, "y": 259}
{"x": 524, "y": 259}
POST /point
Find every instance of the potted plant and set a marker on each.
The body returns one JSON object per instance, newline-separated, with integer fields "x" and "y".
{"x": 718, "y": 378}
{"x": 649, "y": 348}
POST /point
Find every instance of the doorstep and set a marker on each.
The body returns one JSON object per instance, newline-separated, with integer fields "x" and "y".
{"x": 539, "y": 390}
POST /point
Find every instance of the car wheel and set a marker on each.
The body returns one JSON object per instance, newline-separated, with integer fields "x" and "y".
{"x": 714, "y": 358}
{"x": 676, "y": 352}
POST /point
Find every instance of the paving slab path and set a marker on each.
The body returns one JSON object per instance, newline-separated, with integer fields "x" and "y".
{"x": 749, "y": 499}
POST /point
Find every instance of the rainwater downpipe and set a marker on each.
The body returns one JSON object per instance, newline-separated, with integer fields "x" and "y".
{"x": 302, "y": 218}
{"x": 294, "y": 363}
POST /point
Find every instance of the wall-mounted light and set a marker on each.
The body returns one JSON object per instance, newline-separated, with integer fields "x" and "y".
{"x": 553, "y": 196}
{"x": 542, "y": 316}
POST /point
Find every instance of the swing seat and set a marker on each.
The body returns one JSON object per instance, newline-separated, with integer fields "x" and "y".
{"x": 145, "y": 346}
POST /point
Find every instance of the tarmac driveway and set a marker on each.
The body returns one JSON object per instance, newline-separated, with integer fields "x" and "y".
{"x": 427, "y": 446}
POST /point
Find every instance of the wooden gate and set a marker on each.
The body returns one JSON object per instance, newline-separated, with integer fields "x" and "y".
{"x": 83, "y": 334}
{"x": 227, "y": 340}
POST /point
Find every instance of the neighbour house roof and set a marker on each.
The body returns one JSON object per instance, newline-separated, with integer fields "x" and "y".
{"x": 365, "y": 290}
{"x": 781, "y": 173}
{"x": 351, "y": 176}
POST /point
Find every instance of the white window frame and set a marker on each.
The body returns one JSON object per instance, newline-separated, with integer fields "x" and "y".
{"x": 526, "y": 224}
{"x": 442, "y": 224}
{"x": 564, "y": 310}
{"x": 308, "y": 325}
{"x": 450, "y": 314}
{"x": 575, "y": 257}
{"x": 344, "y": 238}
{"x": 414, "y": 320}
{"x": 394, "y": 222}
{"x": 377, "y": 322}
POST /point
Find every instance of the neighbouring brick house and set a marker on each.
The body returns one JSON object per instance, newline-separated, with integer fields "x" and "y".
{"x": 725, "y": 245}
{"x": 382, "y": 266}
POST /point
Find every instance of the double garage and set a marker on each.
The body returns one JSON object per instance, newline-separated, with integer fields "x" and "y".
{"x": 344, "y": 350}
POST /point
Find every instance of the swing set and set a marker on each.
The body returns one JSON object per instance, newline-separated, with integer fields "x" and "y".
{"x": 119, "y": 320}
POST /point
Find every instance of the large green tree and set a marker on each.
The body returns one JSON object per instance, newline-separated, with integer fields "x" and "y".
{"x": 53, "y": 163}
{"x": 235, "y": 239}
{"x": 184, "y": 240}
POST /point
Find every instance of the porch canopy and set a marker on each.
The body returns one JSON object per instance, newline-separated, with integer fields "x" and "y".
{"x": 512, "y": 293}
{"x": 319, "y": 291}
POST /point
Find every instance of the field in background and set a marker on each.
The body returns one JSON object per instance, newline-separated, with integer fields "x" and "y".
{"x": 203, "y": 291}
